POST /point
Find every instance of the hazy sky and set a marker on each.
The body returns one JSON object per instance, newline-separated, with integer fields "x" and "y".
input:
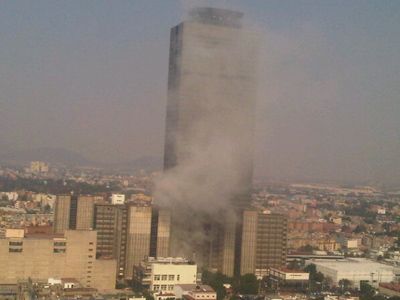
{"x": 91, "y": 76}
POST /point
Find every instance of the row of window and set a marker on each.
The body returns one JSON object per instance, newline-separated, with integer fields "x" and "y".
{"x": 60, "y": 244}
{"x": 166, "y": 277}
{"x": 163, "y": 287}
{"x": 55, "y": 250}
{"x": 15, "y": 243}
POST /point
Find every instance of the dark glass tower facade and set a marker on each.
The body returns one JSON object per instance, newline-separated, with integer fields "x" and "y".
{"x": 210, "y": 116}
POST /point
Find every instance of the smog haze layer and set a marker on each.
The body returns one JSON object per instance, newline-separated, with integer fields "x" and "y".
{"x": 92, "y": 78}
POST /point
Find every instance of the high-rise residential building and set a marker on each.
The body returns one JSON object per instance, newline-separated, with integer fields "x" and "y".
{"x": 128, "y": 232}
{"x": 107, "y": 223}
{"x": 160, "y": 233}
{"x": 84, "y": 212}
{"x": 110, "y": 223}
{"x": 62, "y": 213}
{"x": 264, "y": 242}
{"x": 210, "y": 113}
{"x": 138, "y": 236}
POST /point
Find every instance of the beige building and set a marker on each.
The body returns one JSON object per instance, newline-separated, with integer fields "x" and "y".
{"x": 62, "y": 213}
{"x": 130, "y": 233}
{"x": 160, "y": 233}
{"x": 39, "y": 257}
{"x": 223, "y": 244}
{"x": 264, "y": 242}
{"x": 111, "y": 224}
{"x": 138, "y": 236}
{"x": 84, "y": 212}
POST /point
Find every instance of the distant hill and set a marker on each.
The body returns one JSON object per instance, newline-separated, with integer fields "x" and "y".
{"x": 50, "y": 155}
{"x": 150, "y": 163}
{"x": 60, "y": 156}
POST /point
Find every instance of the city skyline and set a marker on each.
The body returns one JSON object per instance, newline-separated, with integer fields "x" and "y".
{"x": 330, "y": 114}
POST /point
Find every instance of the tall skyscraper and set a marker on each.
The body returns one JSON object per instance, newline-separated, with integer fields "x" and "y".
{"x": 160, "y": 232}
{"x": 111, "y": 224}
{"x": 264, "y": 242}
{"x": 62, "y": 214}
{"x": 209, "y": 123}
{"x": 138, "y": 236}
{"x": 84, "y": 212}
{"x": 212, "y": 93}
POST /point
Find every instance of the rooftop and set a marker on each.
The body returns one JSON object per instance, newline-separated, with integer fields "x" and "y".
{"x": 391, "y": 286}
{"x": 287, "y": 270}
{"x": 196, "y": 287}
{"x": 216, "y": 16}
{"x": 353, "y": 265}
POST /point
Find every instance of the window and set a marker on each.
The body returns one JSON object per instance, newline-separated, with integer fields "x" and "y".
{"x": 163, "y": 287}
{"x": 156, "y": 277}
{"x": 57, "y": 250}
{"x": 60, "y": 244}
{"x": 171, "y": 277}
{"x": 164, "y": 277}
{"x": 178, "y": 277}
{"x": 156, "y": 287}
{"x": 170, "y": 287}
{"x": 15, "y": 243}
{"x": 15, "y": 250}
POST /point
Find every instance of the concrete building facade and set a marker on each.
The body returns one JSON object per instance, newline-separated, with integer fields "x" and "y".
{"x": 356, "y": 270}
{"x": 40, "y": 257}
{"x": 84, "y": 212}
{"x": 211, "y": 98}
{"x": 264, "y": 242}
{"x": 162, "y": 274}
{"x": 62, "y": 213}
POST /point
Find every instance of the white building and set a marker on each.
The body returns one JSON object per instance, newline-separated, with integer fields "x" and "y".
{"x": 117, "y": 198}
{"x": 356, "y": 270}
{"x": 162, "y": 274}
{"x": 194, "y": 292}
{"x": 284, "y": 274}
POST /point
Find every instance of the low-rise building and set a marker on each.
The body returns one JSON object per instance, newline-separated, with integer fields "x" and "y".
{"x": 390, "y": 289}
{"x": 43, "y": 256}
{"x": 162, "y": 274}
{"x": 283, "y": 278}
{"x": 356, "y": 270}
{"x": 194, "y": 292}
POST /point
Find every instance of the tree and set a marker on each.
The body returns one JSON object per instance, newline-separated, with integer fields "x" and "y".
{"x": 47, "y": 209}
{"x": 367, "y": 292}
{"x": 316, "y": 278}
{"x": 295, "y": 264}
{"x": 216, "y": 281}
{"x": 345, "y": 284}
{"x": 360, "y": 228}
{"x": 311, "y": 268}
{"x": 248, "y": 284}
{"x": 307, "y": 248}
